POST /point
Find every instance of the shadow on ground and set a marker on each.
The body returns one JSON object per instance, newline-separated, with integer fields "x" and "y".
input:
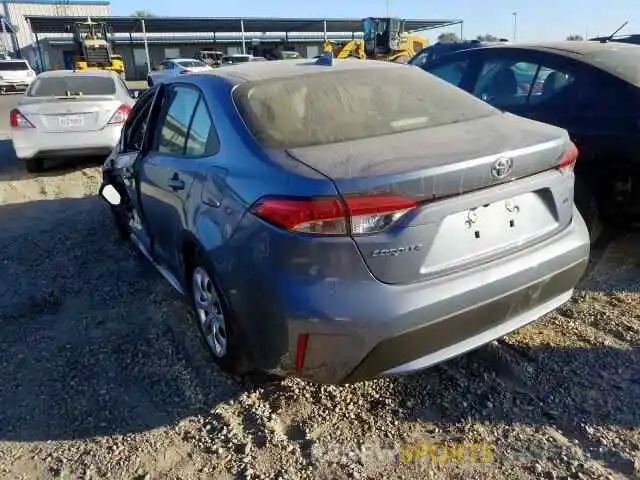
{"x": 92, "y": 340}
{"x": 12, "y": 169}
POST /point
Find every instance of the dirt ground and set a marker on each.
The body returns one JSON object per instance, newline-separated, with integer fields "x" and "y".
{"x": 103, "y": 375}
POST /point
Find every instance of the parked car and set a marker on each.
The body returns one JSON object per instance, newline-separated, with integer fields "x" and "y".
{"x": 15, "y": 75}
{"x": 176, "y": 66}
{"x": 591, "y": 89}
{"x": 339, "y": 230}
{"x": 66, "y": 114}
{"x": 240, "y": 58}
{"x": 437, "y": 50}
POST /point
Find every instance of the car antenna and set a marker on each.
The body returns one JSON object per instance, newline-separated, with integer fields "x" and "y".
{"x": 610, "y": 37}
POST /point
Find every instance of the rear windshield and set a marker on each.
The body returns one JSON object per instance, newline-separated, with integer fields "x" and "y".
{"x": 6, "y": 66}
{"x": 72, "y": 85}
{"x": 191, "y": 63}
{"x": 339, "y": 106}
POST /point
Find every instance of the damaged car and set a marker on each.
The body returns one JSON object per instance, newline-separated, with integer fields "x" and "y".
{"x": 325, "y": 226}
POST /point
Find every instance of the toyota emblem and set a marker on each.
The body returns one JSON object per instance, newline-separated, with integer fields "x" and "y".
{"x": 502, "y": 167}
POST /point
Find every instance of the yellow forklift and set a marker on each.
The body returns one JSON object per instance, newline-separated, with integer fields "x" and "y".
{"x": 95, "y": 51}
{"x": 383, "y": 38}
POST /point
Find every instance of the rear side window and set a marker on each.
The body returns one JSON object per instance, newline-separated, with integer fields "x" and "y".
{"x": 181, "y": 104}
{"x": 72, "y": 85}
{"x": 343, "y": 105}
{"x": 9, "y": 66}
{"x": 186, "y": 127}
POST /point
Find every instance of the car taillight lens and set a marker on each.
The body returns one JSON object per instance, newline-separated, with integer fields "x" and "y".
{"x": 18, "y": 120}
{"x": 357, "y": 215}
{"x": 120, "y": 115}
{"x": 568, "y": 160}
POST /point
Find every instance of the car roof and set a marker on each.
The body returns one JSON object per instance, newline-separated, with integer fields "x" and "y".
{"x": 64, "y": 73}
{"x": 259, "y": 71}
{"x": 619, "y": 59}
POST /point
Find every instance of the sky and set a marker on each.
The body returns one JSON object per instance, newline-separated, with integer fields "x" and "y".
{"x": 537, "y": 20}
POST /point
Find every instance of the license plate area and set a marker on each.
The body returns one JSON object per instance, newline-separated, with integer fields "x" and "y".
{"x": 71, "y": 121}
{"x": 492, "y": 229}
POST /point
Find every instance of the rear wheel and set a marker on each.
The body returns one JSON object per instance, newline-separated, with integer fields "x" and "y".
{"x": 34, "y": 165}
{"x": 588, "y": 208}
{"x": 219, "y": 329}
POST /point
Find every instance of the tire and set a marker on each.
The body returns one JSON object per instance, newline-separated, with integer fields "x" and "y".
{"x": 34, "y": 165}
{"x": 218, "y": 326}
{"x": 588, "y": 208}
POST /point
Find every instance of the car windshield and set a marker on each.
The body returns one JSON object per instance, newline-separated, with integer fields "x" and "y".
{"x": 191, "y": 63}
{"x": 72, "y": 85}
{"x": 339, "y": 106}
{"x": 19, "y": 65}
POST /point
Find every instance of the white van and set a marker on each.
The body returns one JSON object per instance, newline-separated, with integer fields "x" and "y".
{"x": 15, "y": 75}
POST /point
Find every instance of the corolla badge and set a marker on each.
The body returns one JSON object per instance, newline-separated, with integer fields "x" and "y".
{"x": 392, "y": 252}
{"x": 502, "y": 167}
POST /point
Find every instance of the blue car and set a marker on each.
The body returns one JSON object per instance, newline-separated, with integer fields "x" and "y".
{"x": 328, "y": 227}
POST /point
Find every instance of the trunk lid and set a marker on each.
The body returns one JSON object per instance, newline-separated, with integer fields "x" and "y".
{"x": 466, "y": 214}
{"x": 69, "y": 114}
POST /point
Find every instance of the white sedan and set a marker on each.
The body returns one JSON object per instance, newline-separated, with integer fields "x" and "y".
{"x": 176, "y": 66}
{"x": 66, "y": 114}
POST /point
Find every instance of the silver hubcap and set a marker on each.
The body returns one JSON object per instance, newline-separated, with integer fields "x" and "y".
{"x": 209, "y": 312}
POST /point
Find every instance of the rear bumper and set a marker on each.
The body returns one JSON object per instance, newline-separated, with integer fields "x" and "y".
{"x": 361, "y": 329}
{"x": 32, "y": 143}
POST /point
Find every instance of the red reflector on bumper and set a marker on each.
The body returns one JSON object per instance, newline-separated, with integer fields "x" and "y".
{"x": 301, "y": 350}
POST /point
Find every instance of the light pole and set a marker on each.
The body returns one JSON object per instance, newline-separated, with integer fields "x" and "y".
{"x": 515, "y": 26}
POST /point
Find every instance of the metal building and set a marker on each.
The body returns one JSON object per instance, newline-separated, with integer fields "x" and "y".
{"x": 21, "y": 42}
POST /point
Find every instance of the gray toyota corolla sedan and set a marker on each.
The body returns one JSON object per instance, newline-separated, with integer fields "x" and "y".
{"x": 345, "y": 220}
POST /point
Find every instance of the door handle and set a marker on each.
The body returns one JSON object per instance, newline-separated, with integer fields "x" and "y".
{"x": 175, "y": 183}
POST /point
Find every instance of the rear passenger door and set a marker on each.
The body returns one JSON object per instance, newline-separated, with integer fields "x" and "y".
{"x": 183, "y": 142}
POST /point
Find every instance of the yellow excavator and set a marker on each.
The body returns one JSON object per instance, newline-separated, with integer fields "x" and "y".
{"x": 383, "y": 38}
{"x": 95, "y": 52}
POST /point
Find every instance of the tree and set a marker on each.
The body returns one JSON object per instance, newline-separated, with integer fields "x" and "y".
{"x": 143, "y": 13}
{"x": 488, "y": 38}
{"x": 448, "y": 37}
{"x": 577, "y": 38}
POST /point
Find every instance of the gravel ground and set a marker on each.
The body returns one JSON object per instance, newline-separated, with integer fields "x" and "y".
{"x": 103, "y": 374}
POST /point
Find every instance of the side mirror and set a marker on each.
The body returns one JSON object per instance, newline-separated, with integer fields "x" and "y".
{"x": 135, "y": 93}
{"x": 110, "y": 194}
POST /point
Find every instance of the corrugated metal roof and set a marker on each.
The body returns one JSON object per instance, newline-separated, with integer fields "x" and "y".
{"x": 57, "y": 24}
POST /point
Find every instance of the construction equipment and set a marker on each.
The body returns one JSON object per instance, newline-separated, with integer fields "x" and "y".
{"x": 213, "y": 58}
{"x": 95, "y": 51}
{"x": 384, "y": 38}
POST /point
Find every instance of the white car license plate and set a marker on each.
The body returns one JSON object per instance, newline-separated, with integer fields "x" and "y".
{"x": 71, "y": 121}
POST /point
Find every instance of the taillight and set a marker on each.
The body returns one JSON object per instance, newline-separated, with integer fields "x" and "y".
{"x": 120, "y": 115}
{"x": 18, "y": 120}
{"x": 568, "y": 160}
{"x": 357, "y": 215}
{"x": 185, "y": 71}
